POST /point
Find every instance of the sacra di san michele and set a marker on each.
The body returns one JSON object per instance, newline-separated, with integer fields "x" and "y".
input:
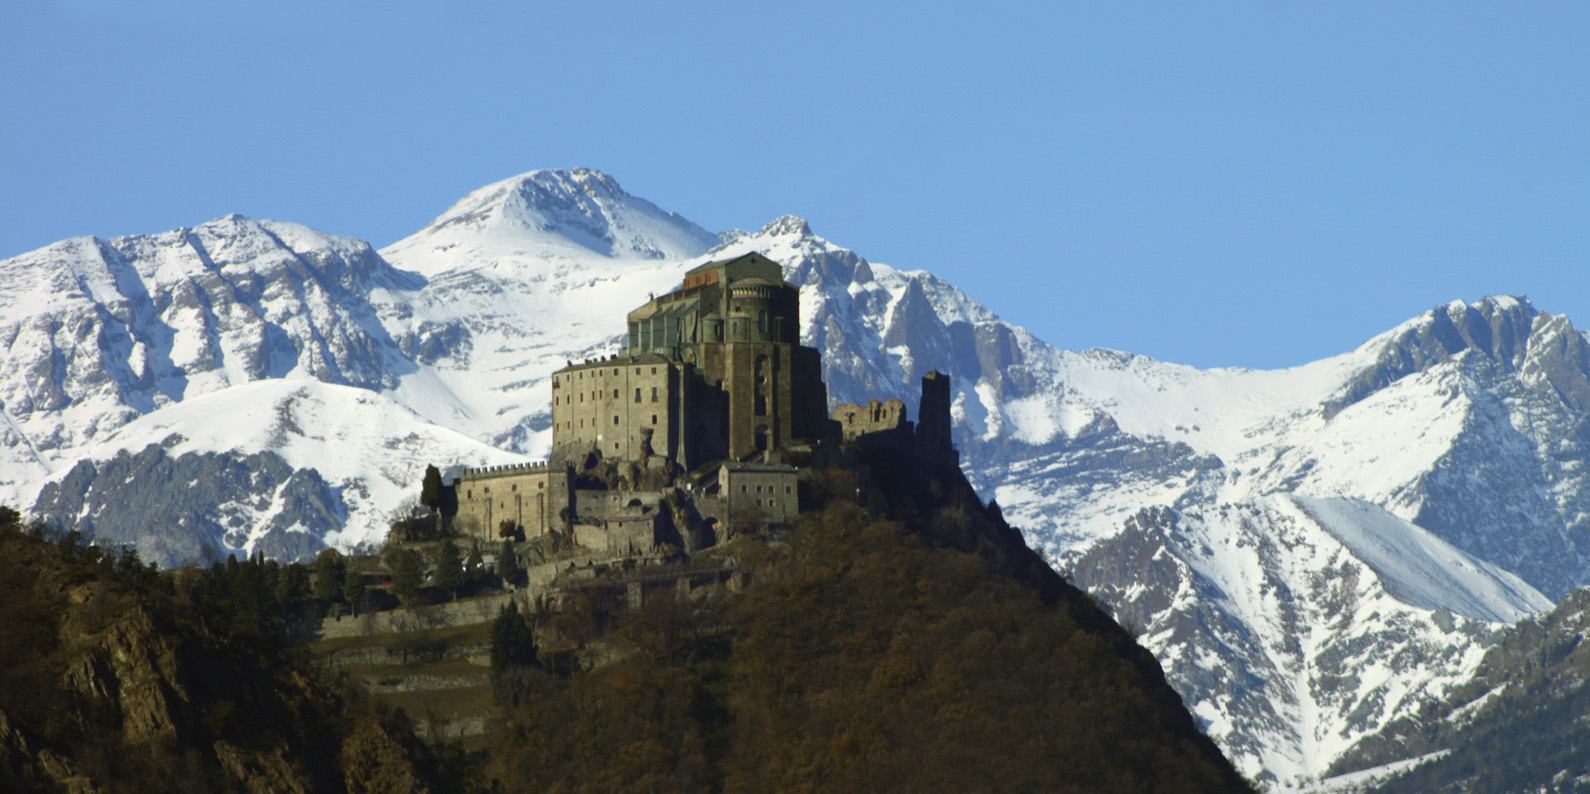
{"x": 705, "y": 423}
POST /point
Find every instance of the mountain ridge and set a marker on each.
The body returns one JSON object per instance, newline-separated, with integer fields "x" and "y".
{"x": 462, "y": 333}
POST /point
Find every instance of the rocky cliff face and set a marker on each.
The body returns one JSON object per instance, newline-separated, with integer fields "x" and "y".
{"x": 194, "y": 507}
{"x": 110, "y": 684}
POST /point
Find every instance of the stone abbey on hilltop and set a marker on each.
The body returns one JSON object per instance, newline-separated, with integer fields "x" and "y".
{"x": 706, "y": 421}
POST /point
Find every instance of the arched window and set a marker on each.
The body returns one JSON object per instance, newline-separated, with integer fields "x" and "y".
{"x": 761, "y": 386}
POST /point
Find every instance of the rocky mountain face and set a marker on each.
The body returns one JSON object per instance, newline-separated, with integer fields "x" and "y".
{"x": 202, "y": 498}
{"x": 1267, "y": 512}
{"x": 1295, "y": 627}
{"x": 96, "y": 333}
{"x": 1517, "y": 726}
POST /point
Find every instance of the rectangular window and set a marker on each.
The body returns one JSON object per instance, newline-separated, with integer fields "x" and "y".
{"x": 654, "y": 419}
{"x": 654, "y": 370}
{"x": 742, "y": 489}
{"x": 787, "y": 489}
{"x": 615, "y": 394}
{"x": 654, "y": 394}
{"x": 637, "y": 393}
{"x": 615, "y": 420}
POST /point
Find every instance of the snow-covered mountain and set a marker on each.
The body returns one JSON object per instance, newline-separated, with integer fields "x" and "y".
{"x": 1294, "y": 626}
{"x": 550, "y": 215}
{"x": 1517, "y": 726}
{"x": 1283, "y": 539}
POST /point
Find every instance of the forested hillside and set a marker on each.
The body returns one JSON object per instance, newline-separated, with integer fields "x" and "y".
{"x": 911, "y": 643}
{"x": 901, "y": 637}
{"x": 114, "y": 678}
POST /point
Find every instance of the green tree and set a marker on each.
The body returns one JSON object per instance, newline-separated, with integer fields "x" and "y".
{"x": 406, "y": 578}
{"x": 353, "y": 589}
{"x": 431, "y": 489}
{"x": 513, "y": 644}
{"x": 449, "y": 568}
{"x": 292, "y": 586}
{"x": 508, "y": 564}
{"x": 329, "y": 571}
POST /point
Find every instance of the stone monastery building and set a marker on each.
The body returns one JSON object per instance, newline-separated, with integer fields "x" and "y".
{"x": 712, "y": 373}
{"x": 713, "y": 370}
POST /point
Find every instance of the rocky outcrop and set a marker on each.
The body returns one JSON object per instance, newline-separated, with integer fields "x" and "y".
{"x": 196, "y": 507}
{"x": 111, "y": 682}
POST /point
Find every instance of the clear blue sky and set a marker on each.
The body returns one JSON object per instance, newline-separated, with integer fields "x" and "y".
{"x": 1244, "y": 183}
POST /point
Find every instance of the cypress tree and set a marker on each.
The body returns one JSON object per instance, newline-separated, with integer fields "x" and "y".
{"x": 352, "y": 589}
{"x": 431, "y": 489}
{"x": 512, "y": 642}
{"x": 292, "y": 586}
{"x": 406, "y": 579}
{"x": 329, "y": 570}
{"x": 508, "y": 564}
{"x": 449, "y": 568}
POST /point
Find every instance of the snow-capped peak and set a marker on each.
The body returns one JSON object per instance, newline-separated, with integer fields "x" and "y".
{"x": 786, "y": 225}
{"x": 569, "y": 214}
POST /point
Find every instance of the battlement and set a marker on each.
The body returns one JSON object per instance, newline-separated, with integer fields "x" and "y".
{"x": 504, "y": 470}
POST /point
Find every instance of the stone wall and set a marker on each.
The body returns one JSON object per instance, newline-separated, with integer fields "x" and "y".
{"x": 876, "y": 417}
{"x": 532, "y": 496}
{"x": 766, "y": 489}
{"x": 626, "y": 407}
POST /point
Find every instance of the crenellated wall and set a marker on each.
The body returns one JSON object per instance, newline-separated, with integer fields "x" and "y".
{"x": 530, "y": 495}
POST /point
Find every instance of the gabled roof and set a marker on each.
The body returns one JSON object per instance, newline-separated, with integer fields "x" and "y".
{"x": 752, "y": 264}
